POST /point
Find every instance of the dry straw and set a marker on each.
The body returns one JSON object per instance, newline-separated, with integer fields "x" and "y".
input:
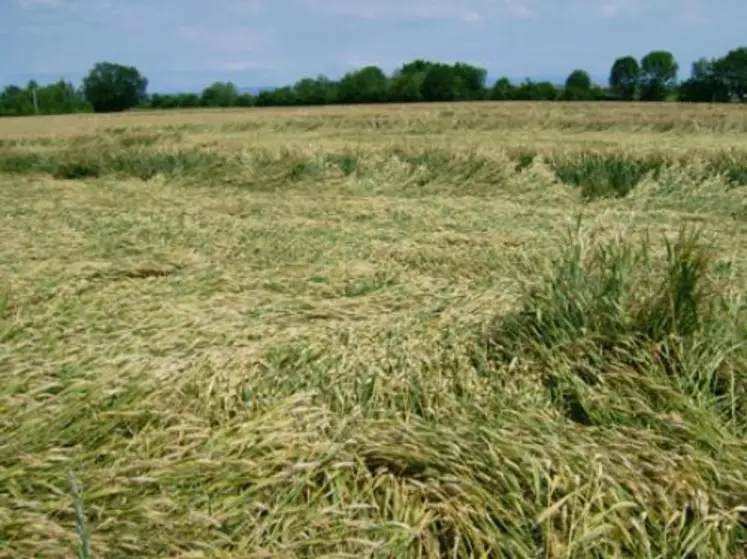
{"x": 375, "y": 332}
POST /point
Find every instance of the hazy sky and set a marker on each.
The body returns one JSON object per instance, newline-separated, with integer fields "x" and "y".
{"x": 186, "y": 44}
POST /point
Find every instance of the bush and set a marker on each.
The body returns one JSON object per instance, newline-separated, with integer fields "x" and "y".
{"x": 110, "y": 87}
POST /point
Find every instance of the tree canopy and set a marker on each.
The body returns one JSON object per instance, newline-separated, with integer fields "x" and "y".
{"x": 220, "y": 94}
{"x": 578, "y": 86}
{"x": 624, "y": 77}
{"x": 658, "y": 75}
{"x": 111, "y": 87}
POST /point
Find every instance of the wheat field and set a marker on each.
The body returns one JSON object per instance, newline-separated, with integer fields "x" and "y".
{"x": 470, "y": 330}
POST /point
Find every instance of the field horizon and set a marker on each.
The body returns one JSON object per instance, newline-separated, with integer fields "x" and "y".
{"x": 435, "y": 330}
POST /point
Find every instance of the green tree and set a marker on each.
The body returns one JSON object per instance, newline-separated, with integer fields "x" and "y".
{"x": 578, "y": 86}
{"x": 367, "y": 85}
{"x": 658, "y": 75}
{"x": 418, "y": 66}
{"x": 503, "y": 90}
{"x": 315, "y": 91}
{"x": 406, "y": 84}
{"x": 56, "y": 98}
{"x": 705, "y": 85}
{"x": 544, "y": 91}
{"x": 406, "y": 88}
{"x": 245, "y": 100}
{"x": 441, "y": 83}
{"x": 530, "y": 90}
{"x": 157, "y": 101}
{"x": 732, "y": 69}
{"x": 15, "y": 101}
{"x": 624, "y": 77}
{"x": 280, "y": 97}
{"x": 220, "y": 94}
{"x": 60, "y": 97}
{"x": 111, "y": 87}
{"x": 189, "y": 100}
{"x": 471, "y": 82}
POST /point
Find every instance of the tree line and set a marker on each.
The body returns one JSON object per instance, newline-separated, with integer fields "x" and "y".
{"x": 111, "y": 87}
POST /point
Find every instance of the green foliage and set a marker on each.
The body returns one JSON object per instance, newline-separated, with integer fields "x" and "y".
{"x": 113, "y": 87}
{"x": 182, "y": 101}
{"x": 605, "y": 175}
{"x": 368, "y": 85}
{"x": 56, "y": 98}
{"x": 658, "y": 75}
{"x": 15, "y": 101}
{"x": 718, "y": 80}
{"x": 732, "y": 166}
{"x": 524, "y": 158}
{"x": 138, "y": 162}
{"x": 440, "y": 83}
{"x": 530, "y": 90}
{"x": 706, "y": 84}
{"x": 315, "y": 91}
{"x": 732, "y": 70}
{"x": 471, "y": 81}
{"x": 503, "y": 90}
{"x": 611, "y": 316}
{"x": 624, "y": 77}
{"x": 245, "y": 100}
{"x": 406, "y": 87}
{"x": 280, "y": 97}
{"x": 422, "y": 80}
{"x": 578, "y": 86}
{"x": 24, "y": 163}
{"x": 598, "y": 175}
{"x": 220, "y": 94}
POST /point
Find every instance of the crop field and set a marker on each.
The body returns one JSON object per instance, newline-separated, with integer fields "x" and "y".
{"x": 469, "y": 330}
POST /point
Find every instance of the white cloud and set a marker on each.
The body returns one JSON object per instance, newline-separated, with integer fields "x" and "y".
{"x": 517, "y": 8}
{"x": 471, "y": 16}
{"x": 610, "y": 10}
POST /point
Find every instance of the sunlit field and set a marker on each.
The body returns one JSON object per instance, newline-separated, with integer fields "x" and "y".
{"x": 473, "y": 330}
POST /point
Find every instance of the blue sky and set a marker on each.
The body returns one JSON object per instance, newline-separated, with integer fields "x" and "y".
{"x": 183, "y": 45}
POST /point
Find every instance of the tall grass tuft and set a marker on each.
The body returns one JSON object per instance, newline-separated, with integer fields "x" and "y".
{"x": 608, "y": 309}
{"x": 605, "y": 175}
{"x": 729, "y": 164}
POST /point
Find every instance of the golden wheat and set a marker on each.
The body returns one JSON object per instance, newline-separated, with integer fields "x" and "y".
{"x": 362, "y": 332}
